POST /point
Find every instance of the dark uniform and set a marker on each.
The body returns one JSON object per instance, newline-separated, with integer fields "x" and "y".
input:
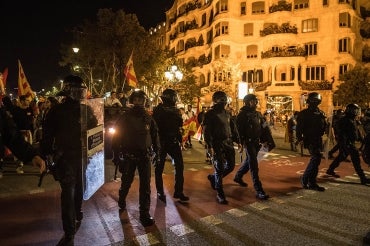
{"x": 292, "y": 133}
{"x": 62, "y": 138}
{"x": 219, "y": 139}
{"x": 347, "y": 136}
{"x": 338, "y": 114}
{"x": 169, "y": 121}
{"x": 133, "y": 143}
{"x": 311, "y": 126}
{"x": 254, "y": 131}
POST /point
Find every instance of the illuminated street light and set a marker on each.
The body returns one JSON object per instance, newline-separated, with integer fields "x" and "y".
{"x": 76, "y": 49}
{"x": 174, "y": 74}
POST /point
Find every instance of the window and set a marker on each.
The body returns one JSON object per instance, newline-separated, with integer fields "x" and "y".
{"x": 343, "y": 68}
{"x": 252, "y": 51}
{"x": 222, "y": 51}
{"x": 325, "y": 3}
{"x": 181, "y": 27}
{"x": 315, "y": 73}
{"x": 253, "y": 76}
{"x": 248, "y": 29}
{"x": 204, "y": 19}
{"x": 344, "y": 20}
{"x": 221, "y": 76}
{"x": 343, "y": 1}
{"x": 221, "y": 28}
{"x": 344, "y": 45}
{"x": 275, "y": 48}
{"x": 180, "y": 46}
{"x": 223, "y": 5}
{"x": 311, "y": 49}
{"x": 243, "y": 8}
{"x": 210, "y": 36}
{"x": 310, "y": 25}
{"x": 258, "y": 8}
{"x": 301, "y": 4}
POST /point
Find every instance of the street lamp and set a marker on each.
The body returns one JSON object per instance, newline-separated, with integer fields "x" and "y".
{"x": 174, "y": 74}
{"x": 76, "y": 49}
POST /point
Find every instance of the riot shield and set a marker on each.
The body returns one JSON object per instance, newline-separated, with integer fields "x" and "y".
{"x": 92, "y": 125}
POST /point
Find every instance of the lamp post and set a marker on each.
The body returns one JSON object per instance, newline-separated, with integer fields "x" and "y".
{"x": 173, "y": 74}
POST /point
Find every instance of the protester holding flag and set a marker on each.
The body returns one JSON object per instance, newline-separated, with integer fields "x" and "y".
{"x": 129, "y": 73}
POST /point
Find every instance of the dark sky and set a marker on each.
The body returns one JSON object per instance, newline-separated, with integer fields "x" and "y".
{"x": 32, "y": 32}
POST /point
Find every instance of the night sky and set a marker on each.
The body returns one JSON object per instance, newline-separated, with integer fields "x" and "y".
{"x": 32, "y": 32}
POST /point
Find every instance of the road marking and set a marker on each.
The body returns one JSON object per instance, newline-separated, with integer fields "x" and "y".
{"x": 277, "y": 200}
{"x": 181, "y": 230}
{"x": 193, "y": 169}
{"x": 212, "y": 220}
{"x": 259, "y": 205}
{"x": 352, "y": 177}
{"x": 236, "y": 212}
{"x": 146, "y": 239}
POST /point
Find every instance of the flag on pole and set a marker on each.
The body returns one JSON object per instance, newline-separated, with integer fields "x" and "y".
{"x": 3, "y": 77}
{"x": 130, "y": 72}
{"x": 24, "y": 87}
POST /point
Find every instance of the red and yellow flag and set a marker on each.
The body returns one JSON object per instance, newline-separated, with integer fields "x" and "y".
{"x": 3, "y": 77}
{"x": 130, "y": 73}
{"x": 24, "y": 87}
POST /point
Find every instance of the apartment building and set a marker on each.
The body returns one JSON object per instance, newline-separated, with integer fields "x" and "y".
{"x": 278, "y": 50}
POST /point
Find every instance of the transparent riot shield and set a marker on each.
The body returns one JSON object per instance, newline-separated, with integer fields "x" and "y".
{"x": 92, "y": 125}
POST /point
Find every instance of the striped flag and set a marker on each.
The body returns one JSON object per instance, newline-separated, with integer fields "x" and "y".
{"x": 3, "y": 77}
{"x": 130, "y": 72}
{"x": 24, "y": 87}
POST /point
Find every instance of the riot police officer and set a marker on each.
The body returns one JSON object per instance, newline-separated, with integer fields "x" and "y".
{"x": 311, "y": 126}
{"x": 62, "y": 134}
{"x": 133, "y": 143}
{"x": 169, "y": 121}
{"x": 219, "y": 140}
{"x": 254, "y": 132}
{"x": 346, "y": 137}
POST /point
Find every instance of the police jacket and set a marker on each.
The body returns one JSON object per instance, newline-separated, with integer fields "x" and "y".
{"x": 311, "y": 125}
{"x": 11, "y": 138}
{"x": 136, "y": 132}
{"x": 169, "y": 122}
{"x": 65, "y": 126}
{"x": 347, "y": 131}
{"x": 217, "y": 126}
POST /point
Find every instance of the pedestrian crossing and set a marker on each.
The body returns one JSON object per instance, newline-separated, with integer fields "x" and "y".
{"x": 338, "y": 216}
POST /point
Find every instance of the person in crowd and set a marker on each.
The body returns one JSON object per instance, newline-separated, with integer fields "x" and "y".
{"x": 311, "y": 126}
{"x": 254, "y": 132}
{"x": 24, "y": 119}
{"x": 347, "y": 137}
{"x": 136, "y": 139}
{"x": 112, "y": 101}
{"x": 37, "y": 135}
{"x": 184, "y": 117}
{"x": 11, "y": 138}
{"x": 337, "y": 115}
{"x": 169, "y": 123}
{"x": 62, "y": 133}
{"x": 122, "y": 98}
{"x": 291, "y": 128}
{"x": 219, "y": 140}
{"x": 190, "y": 114}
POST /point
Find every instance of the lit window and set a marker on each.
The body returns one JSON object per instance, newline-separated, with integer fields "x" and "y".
{"x": 310, "y": 25}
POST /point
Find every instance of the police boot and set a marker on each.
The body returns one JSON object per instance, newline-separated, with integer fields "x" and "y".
{"x": 365, "y": 181}
{"x": 146, "y": 219}
{"x": 262, "y": 195}
{"x": 161, "y": 196}
{"x": 67, "y": 240}
{"x": 221, "y": 197}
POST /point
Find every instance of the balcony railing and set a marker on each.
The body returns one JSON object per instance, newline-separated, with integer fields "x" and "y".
{"x": 316, "y": 85}
{"x": 284, "y": 52}
{"x": 275, "y": 29}
{"x": 281, "y": 6}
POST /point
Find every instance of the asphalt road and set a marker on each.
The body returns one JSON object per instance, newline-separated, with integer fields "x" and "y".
{"x": 293, "y": 216}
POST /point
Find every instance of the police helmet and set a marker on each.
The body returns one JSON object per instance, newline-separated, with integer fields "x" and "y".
{"x": 219, "y": 97}
{"x": 352, "y": 109}
{"x": 314, "y": 98}
{"x": 138, "y": 94}
{"x": 73, "y": 87}
{"x": 169, "y": 96}
{"x": 248, "y": 98}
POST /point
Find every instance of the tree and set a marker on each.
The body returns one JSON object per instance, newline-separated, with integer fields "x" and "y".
{"x": 355, "y": 87}
{"x": 104, "y": 49}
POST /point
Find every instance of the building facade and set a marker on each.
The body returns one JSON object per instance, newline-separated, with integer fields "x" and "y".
{"x": 278, "y": 50}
